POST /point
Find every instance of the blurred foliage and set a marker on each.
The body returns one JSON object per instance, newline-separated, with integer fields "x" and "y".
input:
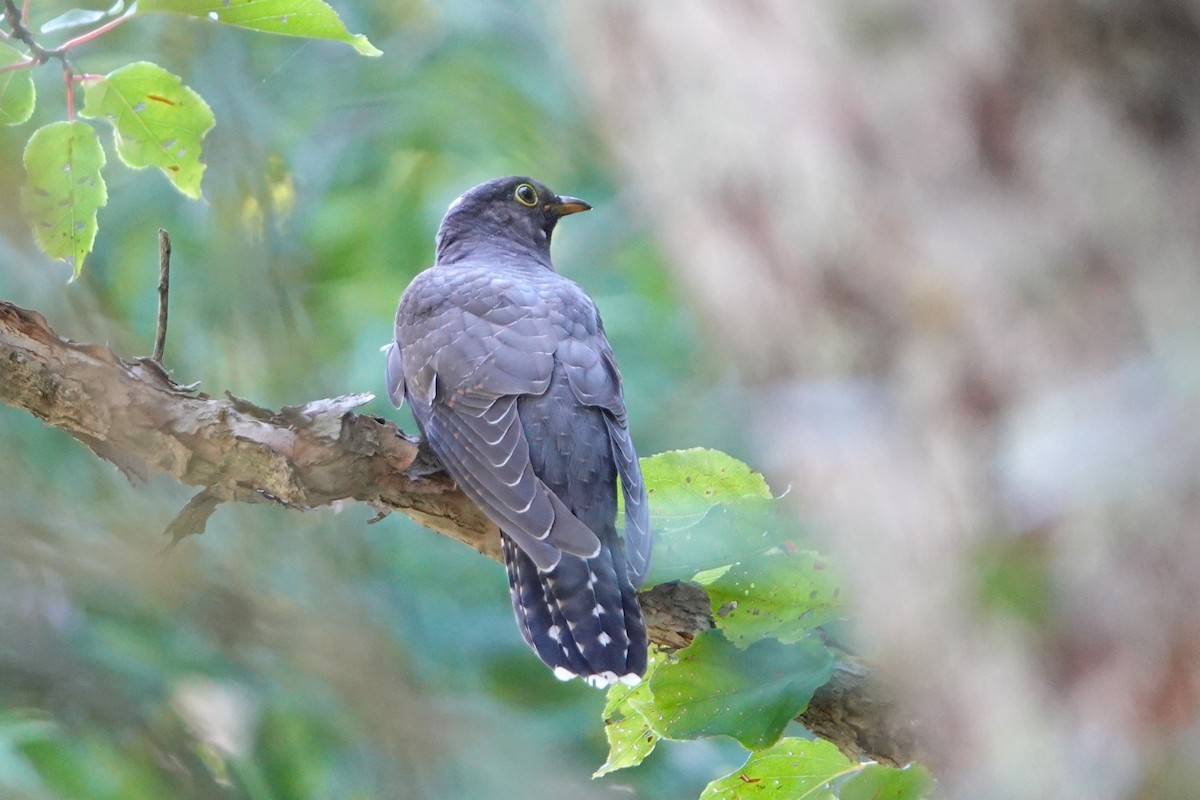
{"x": 288, "y": 655}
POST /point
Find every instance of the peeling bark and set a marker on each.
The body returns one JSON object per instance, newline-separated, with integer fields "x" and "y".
{"x": 133, "y": 414}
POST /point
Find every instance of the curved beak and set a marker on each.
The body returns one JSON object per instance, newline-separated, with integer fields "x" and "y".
{"x": 564, "y": 205}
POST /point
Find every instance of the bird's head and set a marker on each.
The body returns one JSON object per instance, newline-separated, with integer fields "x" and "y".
{"x": 514, "y": 215}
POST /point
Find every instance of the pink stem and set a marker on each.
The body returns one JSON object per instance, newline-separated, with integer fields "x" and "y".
{"x": 26, "y": 64}
{"x": 92, "y": 34}
{"x": 70, "y": 93}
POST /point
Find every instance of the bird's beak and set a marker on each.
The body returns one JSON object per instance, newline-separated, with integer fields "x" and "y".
{"x": 564, "y": 205}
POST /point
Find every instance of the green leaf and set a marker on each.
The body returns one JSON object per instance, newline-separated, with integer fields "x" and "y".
{"x": 311, "y": 19}
{"x": 16, "y": 89}
{"x": 708, "y": 510}
{"x": 157, "y": 121}
{"x": 793, "y": 769}
{"x": 877, "y": 782}
{"x": 630, "y": 736}
{"x": 64, "y": 189}
{"x": 780, "y": 595}
{"x": 684, "y": 484}
{"x": 724, "y": 535}
{"x": 714, "y": 688}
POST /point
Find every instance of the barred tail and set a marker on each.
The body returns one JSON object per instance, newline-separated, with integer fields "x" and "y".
{"x": 582, "y": 617}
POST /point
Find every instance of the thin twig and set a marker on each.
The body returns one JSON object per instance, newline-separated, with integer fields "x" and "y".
{"x": 26, "y": 64}
{"x": 70, "y": 86}
{"x": 16, "y": 23}
{"x": 92, "y": 34}
{"x": 164, "y": 285}
{"x": 17, "y": 20}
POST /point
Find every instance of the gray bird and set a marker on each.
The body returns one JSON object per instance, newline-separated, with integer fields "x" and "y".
{"x": 513, "y": 384}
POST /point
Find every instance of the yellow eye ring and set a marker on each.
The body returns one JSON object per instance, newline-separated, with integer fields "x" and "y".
{"x": 526, "y": 195}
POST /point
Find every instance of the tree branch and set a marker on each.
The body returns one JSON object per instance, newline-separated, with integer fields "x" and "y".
{"x": 131, "y": 413}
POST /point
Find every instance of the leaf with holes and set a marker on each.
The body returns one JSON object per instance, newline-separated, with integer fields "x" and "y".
{"x": 312, "y": 19}
{"x": 16, "y": 89}
{"x": 713, "y": 687}
{"x": 780, "y": 595}
{"x": 630, "y": 737}
{"x": 157, "y": 121}
{"x": 64, "y": 189}
{"x": 793, "y": 769}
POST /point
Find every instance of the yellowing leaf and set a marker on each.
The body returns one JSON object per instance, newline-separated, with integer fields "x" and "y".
{"x": 629, "y": 734}
{"x": 16, "y": 89}
{"x": 157, "y": 121}
{"x": 64, "y": 189}
{"x": 312, "y": 19}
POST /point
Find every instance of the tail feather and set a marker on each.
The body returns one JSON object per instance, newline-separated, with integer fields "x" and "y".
{"x": 582, "y": 617}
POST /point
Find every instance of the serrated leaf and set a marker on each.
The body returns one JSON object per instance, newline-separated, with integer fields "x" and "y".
{"x": 877, "y": 782}
{"x": 782, "y": 595}
{"x": 792, "y": 769}
{"x": 713, "y": 687}
{"x": 630, "y": 737}
{"x": 17, "y": 94}
{"x": 157, "y": 121}
{"x": 311, "y": 19}
{"x": 64, "y": 189}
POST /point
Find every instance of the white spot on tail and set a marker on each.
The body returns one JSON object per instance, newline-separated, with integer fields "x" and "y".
{"x": 564, "y": 674}
{"x": 597, "y": 611}
{"x": 630, "y": 679}
{"x": 602, "y": 680}
{"x": 556, "y": 633}
{"x": 605, "y": 639}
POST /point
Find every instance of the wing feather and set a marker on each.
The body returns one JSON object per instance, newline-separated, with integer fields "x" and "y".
{"x": 502, "y": 481}
{"x": 468, "y": 344}
{"x": 393, "y": 375}
{"x": 595, "y": 380}
{"x": 637, "y": 507}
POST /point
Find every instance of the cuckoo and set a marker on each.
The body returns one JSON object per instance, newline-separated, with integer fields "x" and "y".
{"x": 514, "y": 386}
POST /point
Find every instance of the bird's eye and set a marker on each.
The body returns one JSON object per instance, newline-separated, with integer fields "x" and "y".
{"x": 526, "y": 195}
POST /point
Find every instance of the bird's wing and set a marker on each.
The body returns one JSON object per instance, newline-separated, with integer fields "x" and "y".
{"x": 469, "y": 348}
{"x": 595, "y": 380}
{"x": 393, "y": 374}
